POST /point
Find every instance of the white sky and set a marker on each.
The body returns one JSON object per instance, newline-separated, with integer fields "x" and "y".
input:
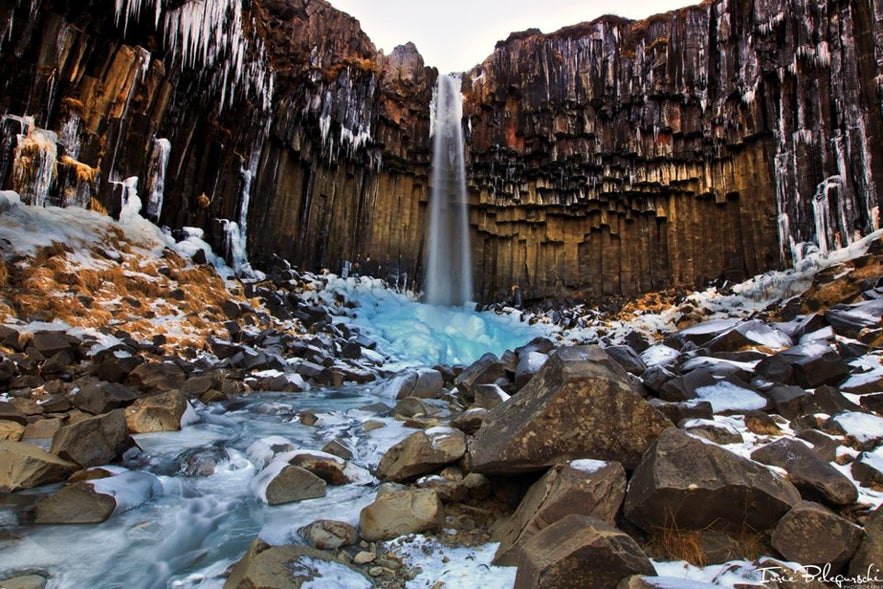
{"x": 454, "y": 35}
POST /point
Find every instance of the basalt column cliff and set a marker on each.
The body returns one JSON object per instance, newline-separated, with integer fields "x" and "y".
{"x": 605, "y": 159}
{"x": 616, "y": 157}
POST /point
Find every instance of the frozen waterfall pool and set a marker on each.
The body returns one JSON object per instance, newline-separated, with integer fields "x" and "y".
{"x": 198, "y": 526}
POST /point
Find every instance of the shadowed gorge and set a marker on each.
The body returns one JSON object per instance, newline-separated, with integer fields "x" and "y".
{"x": 606, "y": 159}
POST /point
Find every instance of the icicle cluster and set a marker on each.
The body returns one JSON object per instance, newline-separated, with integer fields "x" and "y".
{"x": 209, "y": 35}
{"x": 34, "y": 163}
{"x": 156, "y": 176}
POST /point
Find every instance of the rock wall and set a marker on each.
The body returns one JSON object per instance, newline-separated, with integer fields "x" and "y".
{"x": 615, "y": 156}
{"x": 605, "y": 159}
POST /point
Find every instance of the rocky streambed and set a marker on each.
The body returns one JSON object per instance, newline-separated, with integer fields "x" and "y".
{"x": 257, "y": 434}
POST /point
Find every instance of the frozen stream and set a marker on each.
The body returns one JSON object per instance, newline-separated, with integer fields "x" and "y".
{"x": 201, "y": 524}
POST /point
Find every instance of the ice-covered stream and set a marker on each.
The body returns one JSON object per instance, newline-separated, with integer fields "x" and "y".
{"x": 199, "y": 525}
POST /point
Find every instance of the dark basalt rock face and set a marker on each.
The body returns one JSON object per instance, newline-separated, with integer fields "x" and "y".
{"x": 605, "y": 159}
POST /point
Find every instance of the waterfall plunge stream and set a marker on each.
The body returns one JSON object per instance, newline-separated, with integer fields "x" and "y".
{"x": 448, "y": 263}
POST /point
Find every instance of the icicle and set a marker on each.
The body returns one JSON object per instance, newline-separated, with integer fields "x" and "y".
{"x": 156, "y": 176}
{"x": 33, "y": 168}
{"x": 70, "y": 135}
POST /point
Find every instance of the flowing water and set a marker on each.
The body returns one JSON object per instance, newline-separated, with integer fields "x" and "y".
{"x": 448, "y": 263}
{"x": 199, "y": 525}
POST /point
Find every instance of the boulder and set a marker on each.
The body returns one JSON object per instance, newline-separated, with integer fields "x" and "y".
{"x": 814, "y": 364}
{"x": 50, "y": 343}
{"x": 688, "y": 484}
{"x": 579, "y": 551}
{"x": 470, "y": 420}
{"x": 428, "y": 385}
{"x": 156, "y": 377}
{"x": 797, "y": 536}
{"x": 329, "y": 534}
{"x": 749, "y": 334}
{"x": 10, "y": 412}
{"x": 867, "y": 468}
{"x": 396, "y": 513}
{"x": 93, "y": 441}
{"x": 156, "y": 413}
{"x": 862, "y": 429}
{"x": 11, "y": 430}
{"x": 328, "y": 467}
{"x": 286, "y": 567}
{"x": 489, "y": 396}
{"x": 849, "y": 320}
{"x": 714, "y": 431}
{"x": 867, "y": 559}
{"x": 114, "y": 368}
{"x": 683, "y": 410}
{"x": 816, "y": 479}
{"x": 25, "y": 582}
{"x": 584, "y": 487}
{"x": 100, "y": 397}
{"x": 485, "y": 370}
{"x": 788, "y": 400}
{"x": 529, "y": 363}
{"x": 421, "y": 453}
{"x": 23, "y": 466}
{"x": 628, "y": 358}
{"x": 581, "y": 404}
{"x": 281, "y": 483}
{"x": 77, "y": 503}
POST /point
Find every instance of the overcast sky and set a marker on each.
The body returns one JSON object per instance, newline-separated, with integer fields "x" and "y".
{"x": 454, "y": 35}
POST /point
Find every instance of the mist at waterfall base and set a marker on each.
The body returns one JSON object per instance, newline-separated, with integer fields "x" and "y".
{"x": 448, "y": 260}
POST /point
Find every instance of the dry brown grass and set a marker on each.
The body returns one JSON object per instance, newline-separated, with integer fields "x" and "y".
{"x": 672, "y": 544}
{"x": 85, "y": 173}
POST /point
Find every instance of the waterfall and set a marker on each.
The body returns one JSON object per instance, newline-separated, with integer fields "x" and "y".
{"x": 448, "y": 264}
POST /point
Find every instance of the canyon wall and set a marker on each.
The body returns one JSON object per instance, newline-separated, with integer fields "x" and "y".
{"x": 605, "y": 159}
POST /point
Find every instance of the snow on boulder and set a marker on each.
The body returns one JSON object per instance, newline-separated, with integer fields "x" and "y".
{"x": 582, "y": 404}
{"x": 592, "y": 488}
{"x": 262, "y": 451}
{"x": 328, "y": 467}
{"x": 421, "y": 453}
{"x": 864, "y": 428}
{"x": 660, "y": 355}
{"x": 726, "y": 396}
{"x": 96, "y": 500}
{"x": 749, "y": 334}
{"x": 685, "y": 483}
{"x": 281, "y": 483}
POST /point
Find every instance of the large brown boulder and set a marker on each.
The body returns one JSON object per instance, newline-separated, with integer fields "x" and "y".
{"x": 23, "y": 466}
{"x": 421, "y": 453}
{"x": 284, "y": 567}
{"x": 396, "y": 513}
{"x": 685, "y": 483}
{"x": 581, "y": 404}
{"x": 156, "y": 377}
{"x": 812, "y": 534}
{"x": 156, "y": 413}
{"x": 281, "y": 483}
{"x": 579, "y": 551}
{"x": 93, "y": 441}
{"x": 584, "y": 487}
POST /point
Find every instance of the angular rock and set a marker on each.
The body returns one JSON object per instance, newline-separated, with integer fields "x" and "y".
{"x": 788, "y": 400}
{"x": 816, "y": 479}
{"x": 683, "y": 410}
{"x": 529, "y": 363}
{"x": 93, "y": 441}
{"x": 485, "y": 370}
{"x": 339, "y": 449}
{"x": 428, "y": 385}
{"x": 867, "y": 468}
{"x": 331, "y": 469}
{"x": 797, "y": 536}
{"x": 157, "y": 413}
{"x": 284, "y": 567}
{"x": 23, "y": 466}
{"x": 850, "y": 320}
{"x": 156, "y": 377}
{"x": 580, "y": 405}
{"x": 578, "y": 551}
{"x": 11, "y": 430}
{"x": 25, "y": 582}
{"x": 714, "y": 431}
{"x": 113, "y": 368}
{"x": 396, "y": 513}
{"x": 749, "y": 334}
{"x": 329, "y": 534}
{"x": 866, "y": 560}
{"x": 421, "y": 453}
{"x": 288, "y": 484}
{"x": 489, "y": 396}
{"x": 583, "y": 487}
{"x": 10, "y": 412}
{"x": 470, "y": 420}
{"x": 50, "y": 343}
{"x": 688, "y": 484}
{"x": 815, "y": 364}
{"x": 77, "y": 503}
{"x": 627, "y": 358}
{"x": 862, "y": 429}
{"x": 101, "y": 397}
